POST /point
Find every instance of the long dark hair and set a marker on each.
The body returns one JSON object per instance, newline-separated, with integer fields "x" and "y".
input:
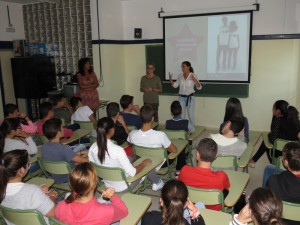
{"x": 282, "y": 106}
{"x": 103, "y": 127}
{"x": 174, "y": 195}
{"x": 82, "y": 180}
{"x": 233, "y": 109}
{"x": 7, "y": 126}
{"x": 10, "y": 163}
{"x": 81, "y": 64}
{"x": 293, "y": 116}
{"x": 266, "y": 207}
{"x": 188, "y": 64}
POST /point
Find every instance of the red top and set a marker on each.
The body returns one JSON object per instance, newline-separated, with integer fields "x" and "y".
{"x": 92, "y": 212}
{"x": 205, "y": 178}
{"x": 39, "y": 127}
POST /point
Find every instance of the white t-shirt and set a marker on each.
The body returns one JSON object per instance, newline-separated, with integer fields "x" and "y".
{"x": 233, "y": 40}
{"x": 12, "y": 144}
{"x": 186, "y": 86}
{"x": 116, "y": 157}
{"x": 150, "y": 138}
{"x": 26, "y": 196}
{"x": 224, "y": 35}
{"x": 82, "y": 114}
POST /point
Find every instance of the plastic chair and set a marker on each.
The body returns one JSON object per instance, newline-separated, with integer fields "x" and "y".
{"x": 61, "y": 167}
{"x": 21, "y": 217}
{"x": 279, "y": 164}
{"x": 38, "y": 172}
{"x": 278, "y": 145}
{"x": 156, "y": 152}
{"x": 207, "y": 196}
{"x": 116, "y": 174}
{"x": 42, "y": 139}
{"x": 225, "y": 162}
{"x": 181, "y": 134}
{"x": 54, "y": 221}
{"x": 291, "y": 211}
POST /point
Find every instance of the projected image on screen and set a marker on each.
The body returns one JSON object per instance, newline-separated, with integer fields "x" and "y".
{"x": 217, "y": 46}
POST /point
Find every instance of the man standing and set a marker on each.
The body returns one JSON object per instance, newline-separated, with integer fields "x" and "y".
{"x": 151, "y": 86}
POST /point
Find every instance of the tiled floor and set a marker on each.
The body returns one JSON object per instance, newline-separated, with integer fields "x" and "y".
{"x": 254, "y": 182}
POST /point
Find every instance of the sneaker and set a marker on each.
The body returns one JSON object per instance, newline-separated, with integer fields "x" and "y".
{"x": 251, "y": 164}
{"x": 158, "y": 186}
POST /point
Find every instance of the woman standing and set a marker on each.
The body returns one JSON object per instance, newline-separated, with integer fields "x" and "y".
{"x": 186, "y": 82}
{"x": 88, "y": 84}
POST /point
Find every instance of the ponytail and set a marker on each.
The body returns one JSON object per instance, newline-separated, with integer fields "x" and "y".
{"x": 10, "y": 163}
{"x": 103, "y": 127}
{"x": 293, "y": 116}
{"x": 172, "y": 215}
{"x": 7, "y": 126}
{"x": 191, "y": 69}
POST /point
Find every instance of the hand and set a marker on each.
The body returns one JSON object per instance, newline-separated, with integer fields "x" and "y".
{"x": 136, "y": 108}
{"x": 244, "y": 215}
{"x": 22, "y": 134}
{"x": 190, "y": 205}
{"x": 170, "y": 75}
{"x": 108, "y": 193}
{"x": 44, "y": 189}
{"x": 146, "y": 162}
{"x": 22, "y": 115}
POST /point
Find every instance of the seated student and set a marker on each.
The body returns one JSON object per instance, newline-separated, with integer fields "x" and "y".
{"x": 12, "y": 137}
{"x": 46, "y": 113}
{"x": 104, "y": 152}
{"x": 61, "y": 109}
{"x": 174, "y": 200}
{"x": 126, "y": 102}
{"x": 15, "y": 194}
{"x": 177, "y": 123}
{"x": 81, "y": 112}
{"x": 12, "y": 111}
{"x": 146, "y": 136}
{"x": 264, "y": 208}
{"x": 82, "y": 207}
{"x": 121, "y": 130}
{"x": 287, "y": 183}
{"x": 55, "y": 151}
{"x": 228, "y": 143}
{"x": 202, "y": 176}
{"x": 234, "y": 109}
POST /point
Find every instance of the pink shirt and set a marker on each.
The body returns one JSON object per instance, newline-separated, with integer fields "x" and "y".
{"x": 92, "y": 212}
{"x": 39, "y": 127}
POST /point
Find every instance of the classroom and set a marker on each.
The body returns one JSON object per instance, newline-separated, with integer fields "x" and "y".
{"x": 119, "y": 60}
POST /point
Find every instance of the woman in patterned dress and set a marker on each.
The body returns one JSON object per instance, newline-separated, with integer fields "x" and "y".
{"x": 88, "y": 84}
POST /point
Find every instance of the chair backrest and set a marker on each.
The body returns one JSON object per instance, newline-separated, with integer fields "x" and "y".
{"x": 207, "y": 196}
{"x": 87, "y": 125}
{"x": 54, "y": 221}
{"x": 152, "y": 152}
{"x": 60, "y": 167}
{"x": 291, "y": 211}
{"x": 131, "y": 127}
{"x": 176, "y": 134}
{"x": 21, "y": 217}
{"x": 278, "y": 145}
{"x": 43, "y": 139}
{"x": 279, "y": 163}
{"x": 226, "y": 161}
{"x": 110, "y": 173}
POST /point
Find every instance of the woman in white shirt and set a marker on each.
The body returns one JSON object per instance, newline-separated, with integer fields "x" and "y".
{"x": 12, "y": 137}
{"x": 186, "y": 82}
{"x": 105, "y": 152}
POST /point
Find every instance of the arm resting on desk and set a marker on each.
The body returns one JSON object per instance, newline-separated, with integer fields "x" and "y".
{"x": 142, "y": 165}
{"x": 172, "y": 148}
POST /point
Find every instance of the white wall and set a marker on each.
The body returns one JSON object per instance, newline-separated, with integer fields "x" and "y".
{"x": 110, "y": 19}
{"x": 274, "y": 17}
{"x": 16, "y": 18}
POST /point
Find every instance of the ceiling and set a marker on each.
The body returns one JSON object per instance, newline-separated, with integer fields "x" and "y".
{"x": 29, "y": 1}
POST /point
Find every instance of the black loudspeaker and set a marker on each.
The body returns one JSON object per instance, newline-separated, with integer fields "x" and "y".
{"x": 33, "y": 77}
{"x": 137, "y": 32}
